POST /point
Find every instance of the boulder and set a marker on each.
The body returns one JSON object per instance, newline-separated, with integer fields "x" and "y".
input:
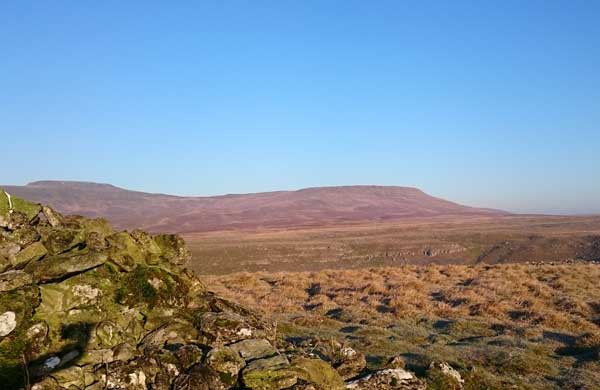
{"x": 12, "y": 280}
{"x": 317, "y": 373}
{"x": 58, "y": 241}
{"x": 58, "y": 267}
{"x": 67, "y": 295}
{"x": 227, "y": 363}
{"x": 124, "y": 251}
{"x": 53, "y": 218}
{"x": 252, "y": 349}
{"x": 272, "y": 373}
{"x": 150, "y": 248}
{"x": 155, "y": 288}
{"x": 33, "y": 252}
{"x": 24, "y": 236}
{"x": 173, "y": 248}
{"x": 8, "y": 323}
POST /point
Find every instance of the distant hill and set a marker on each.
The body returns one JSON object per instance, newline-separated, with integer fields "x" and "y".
{"x": 306, "y": 207}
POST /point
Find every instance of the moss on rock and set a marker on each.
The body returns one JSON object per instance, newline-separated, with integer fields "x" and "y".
{"x": 227, "y": 363}
{"x": 58, "y": 267}
{"x": 173, "y": 248}
{"x": 151, "y": 286}
{"x": 84, "y": 307}
{"x": 269, "y": 374}
{"x": 11, "y": 204}
{"x": 319, "y": 373}
{"x": 33, "y": 252}
{"x": 15, "y": 347}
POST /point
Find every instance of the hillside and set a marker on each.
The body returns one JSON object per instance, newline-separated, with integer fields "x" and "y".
{"x": 84, "y": 306}
{"x": 306, "y": 207}
{"x": 507, "y": 326}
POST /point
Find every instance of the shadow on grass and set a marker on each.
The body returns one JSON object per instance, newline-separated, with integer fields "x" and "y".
{"x": 314, "y": 289}
{"x": 350, "y": 329}
{"x": 570, "y": 347}
{"x": 443, "y": 324}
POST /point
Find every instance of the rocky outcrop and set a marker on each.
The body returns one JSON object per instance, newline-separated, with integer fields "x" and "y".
{"x": 85, "y": 307}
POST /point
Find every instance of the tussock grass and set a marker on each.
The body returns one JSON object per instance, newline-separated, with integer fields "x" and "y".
{"x": 501, "y": 325}
{"x": 565, "y": 297}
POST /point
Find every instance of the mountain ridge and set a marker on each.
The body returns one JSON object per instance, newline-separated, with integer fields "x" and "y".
{"x": 312, "y": 206}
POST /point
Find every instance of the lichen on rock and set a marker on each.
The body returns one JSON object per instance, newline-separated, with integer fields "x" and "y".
{"x": 77, "y": 297}
{"x": 8, "y": 323}
{"x": 318, "y": 373}
{"x": 85, "y": 307}
{"x": 272, "y": 373}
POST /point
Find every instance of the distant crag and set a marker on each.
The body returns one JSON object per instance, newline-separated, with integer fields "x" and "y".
{"x": 85, "y": 307}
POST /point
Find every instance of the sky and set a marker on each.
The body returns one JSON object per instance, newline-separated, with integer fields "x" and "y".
{"x": 493, "y": 104}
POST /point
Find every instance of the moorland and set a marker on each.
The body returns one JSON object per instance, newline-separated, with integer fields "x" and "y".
{"x": 502, "y": 326}
{"x": 416, "y": 241}
{"x": 510, "y": 301}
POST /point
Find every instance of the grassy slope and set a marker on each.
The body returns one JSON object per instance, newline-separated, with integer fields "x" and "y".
{"x": 507, "y": 325}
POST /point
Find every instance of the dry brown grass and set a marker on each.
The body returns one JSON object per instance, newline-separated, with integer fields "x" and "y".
{"x": 565, "y": 297}
{"x": 519, "y": 325}
{"x": 420, "y": 289}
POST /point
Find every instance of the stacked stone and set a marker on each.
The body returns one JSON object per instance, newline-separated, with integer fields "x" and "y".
{"x": 77, "y": 298}
{"x": 85, "y": 307}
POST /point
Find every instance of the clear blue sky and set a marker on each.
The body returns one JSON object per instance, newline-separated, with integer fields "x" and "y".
{"x": 487, "y": 103}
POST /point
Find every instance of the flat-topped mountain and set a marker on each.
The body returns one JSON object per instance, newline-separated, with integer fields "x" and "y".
{"x": 305, "y": 207}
